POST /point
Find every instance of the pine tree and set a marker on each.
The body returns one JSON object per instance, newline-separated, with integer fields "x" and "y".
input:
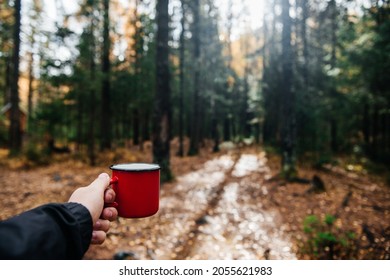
{"x": 162, "y": 109}
{"x": 15, "y": 129}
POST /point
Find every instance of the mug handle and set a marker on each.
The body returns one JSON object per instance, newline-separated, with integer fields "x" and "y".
{"x": 114, "y": 182}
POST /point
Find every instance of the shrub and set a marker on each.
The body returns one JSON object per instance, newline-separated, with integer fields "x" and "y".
{"x": 327, "y": 241}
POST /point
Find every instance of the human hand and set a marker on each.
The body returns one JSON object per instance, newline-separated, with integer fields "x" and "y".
{"x": 93, "y": 197}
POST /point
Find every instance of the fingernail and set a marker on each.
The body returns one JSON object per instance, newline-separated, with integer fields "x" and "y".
{"x": 98, "y": 224}
{"x": 94, "y": 235}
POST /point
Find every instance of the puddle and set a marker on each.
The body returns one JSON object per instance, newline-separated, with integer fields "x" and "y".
{"x": 249, "y": 163}
{"x": 241, "y": 231}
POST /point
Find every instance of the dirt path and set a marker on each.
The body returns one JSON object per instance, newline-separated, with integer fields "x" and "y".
{"x": 234, "y": 225}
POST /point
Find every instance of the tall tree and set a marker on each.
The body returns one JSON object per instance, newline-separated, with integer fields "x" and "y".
{"x": 214, "y": 71}
{"x": 138, "y": 47}
{"x": 181, "y": 79}
{"x": 92, "y": 92}
{"x": 35, "y": 22}
{"x": 15, "y": 129}
{"x": 86, "y": 68}
{"x": 162, "y": 109}
{"x": 288, "y": 105}
{"x": 6, "y": 23}
{"x": 195, "y": 133}
{"x": 305, "y": 68}
{"x": 272, "y": 78}
{"x": 333, "y": 90}
{"x": 227, "y": 123}
{"x": 105, "y": 129}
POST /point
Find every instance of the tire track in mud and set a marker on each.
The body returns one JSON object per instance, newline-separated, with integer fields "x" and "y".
{"x": 234, "y": 224}
{"x": 185, "y": 245}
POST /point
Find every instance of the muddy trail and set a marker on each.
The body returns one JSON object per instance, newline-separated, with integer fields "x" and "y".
{"x": 221, "y": 206}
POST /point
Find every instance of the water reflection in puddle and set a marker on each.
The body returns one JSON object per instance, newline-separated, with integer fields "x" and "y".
{"x": 249, "y": 163}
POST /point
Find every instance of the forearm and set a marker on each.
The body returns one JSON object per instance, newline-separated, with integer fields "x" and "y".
{"x": 51, "y": 231}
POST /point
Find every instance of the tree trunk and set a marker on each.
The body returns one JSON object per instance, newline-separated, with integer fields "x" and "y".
{"x": 226, "y": 127}
{"x": 228, "y": 132}
{"x": 15, "y": 129}
{"x": 333, "y": 121}
{"x": 138, "y": 46}
{"x": 214, "y": 125}
{"x": 305, "y": 71}
{"x": 92, "y": 112}
{"x": 105, "y": 123}
{"x": 265, "y": 52}
{"x": 387, "y": 132}
{"x": 7, "y": 82}
{"x": 244, "y": 126}
{"x": 375, "y": 133}
{"x": 30, "y": 91}
{"x": 80, "y": 119}
{"x": 288, "y": 98}
{"x": 162, "y": 109}
{"x": 366, "y": 126}
{"x": 136, "y": 127}
{"x": 145, "y": 127}
{"x": 194, "y": 141}
{"x": 181, "y": 78}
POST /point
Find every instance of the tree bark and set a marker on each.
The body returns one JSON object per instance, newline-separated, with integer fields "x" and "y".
{"x": 181, "y": 78}
{"x": 30, "y": 91}
{"x": 92, "y": 117}
{"x": 105, "y": 123}
{"x": 305, "y": 69}
{"x": 15, "y": 134}
{"x": 162, "y": 109}
{"x": 136, "y": 126}
{"x": 333, "y": 122}
{"x": 7, "y": 80}
{"x": 194, "y": 141}
{"x": 288, "y": 98}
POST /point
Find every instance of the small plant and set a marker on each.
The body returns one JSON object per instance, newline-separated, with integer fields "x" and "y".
{"x": 34, "y": 155}
{"x": 325, "y": 240}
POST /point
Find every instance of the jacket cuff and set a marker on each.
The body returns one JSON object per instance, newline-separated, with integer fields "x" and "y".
{"x": 84, "y": 219}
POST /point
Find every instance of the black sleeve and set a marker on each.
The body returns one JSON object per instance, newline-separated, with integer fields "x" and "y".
{"x": 51, "y": 231}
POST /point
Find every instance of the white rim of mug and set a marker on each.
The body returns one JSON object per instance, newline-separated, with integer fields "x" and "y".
{"x": 151, "y": 167}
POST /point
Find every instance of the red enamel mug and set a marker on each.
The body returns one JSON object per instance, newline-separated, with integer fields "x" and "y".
{"x": 137, "y": 189}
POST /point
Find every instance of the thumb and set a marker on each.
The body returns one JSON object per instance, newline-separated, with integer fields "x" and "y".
{"x": 101, "y": 183}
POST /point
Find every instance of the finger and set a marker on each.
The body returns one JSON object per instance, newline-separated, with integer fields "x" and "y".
{"x": 109, "y": 196}
{"x": 109, "y": 213}
{"x": 98, "y": 237}
{"x": 103, "y": 225}
{"x": 101, "y": 182}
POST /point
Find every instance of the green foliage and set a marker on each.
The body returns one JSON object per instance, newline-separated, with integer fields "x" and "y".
{"x": 327, "y": 241}
{"x": 340, "y": 77}
{"x": 309, "y": 223}
{"x": 365, "y": 64}
{"x": 289, "y": 172}
{"x": 36, "y": 154}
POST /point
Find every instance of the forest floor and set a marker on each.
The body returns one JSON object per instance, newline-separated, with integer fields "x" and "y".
{"x": 226, "y": 205}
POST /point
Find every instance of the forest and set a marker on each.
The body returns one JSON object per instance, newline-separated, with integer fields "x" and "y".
{"x": 270, "y": 120}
